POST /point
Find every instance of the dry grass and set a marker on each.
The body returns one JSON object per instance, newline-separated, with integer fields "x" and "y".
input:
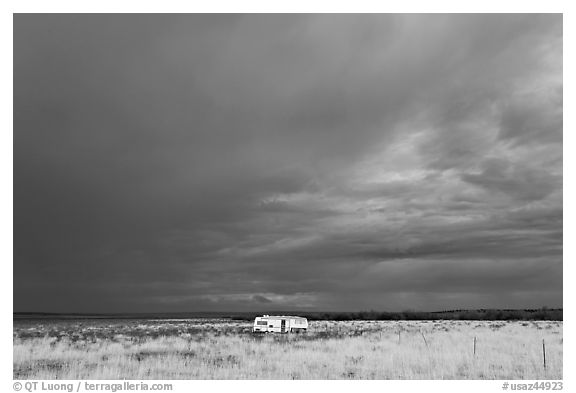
{"x": 218, "y": 349}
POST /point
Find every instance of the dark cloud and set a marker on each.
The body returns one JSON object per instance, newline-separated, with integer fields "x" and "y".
{"x": 519, "y": 182}
{"x": 261, "y": 299}
{"x": 533, "y": 118}
{"x": 212, "y": 162}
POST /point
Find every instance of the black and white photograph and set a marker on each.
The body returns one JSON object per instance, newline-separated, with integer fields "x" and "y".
{"x": 288, "y": 196}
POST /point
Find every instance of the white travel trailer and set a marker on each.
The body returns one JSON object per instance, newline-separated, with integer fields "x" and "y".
{"x": 280, "y": 324}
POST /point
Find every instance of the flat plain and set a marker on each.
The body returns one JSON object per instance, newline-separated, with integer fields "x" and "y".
{"x": 225, "y": 349}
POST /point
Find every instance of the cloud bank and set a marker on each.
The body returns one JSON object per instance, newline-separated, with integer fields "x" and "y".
{"x": 322, "y": 162}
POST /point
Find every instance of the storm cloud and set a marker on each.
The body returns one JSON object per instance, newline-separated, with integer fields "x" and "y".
{"x": 277, "y": 162}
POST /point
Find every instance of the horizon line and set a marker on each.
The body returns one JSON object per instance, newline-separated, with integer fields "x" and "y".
{"x": 276, "y": 311}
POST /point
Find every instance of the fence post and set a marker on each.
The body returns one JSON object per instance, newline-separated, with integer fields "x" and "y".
{"x": 474, "y": 345}
{"x": 424, "y": 337}
{"x": 399, "y": 339}
{"x": 544, "y": 353}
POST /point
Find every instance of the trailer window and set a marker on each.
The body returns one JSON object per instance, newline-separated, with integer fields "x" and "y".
{"x": 261, "y": 323}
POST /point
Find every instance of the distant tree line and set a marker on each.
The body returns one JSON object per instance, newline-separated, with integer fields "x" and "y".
{"x": 546, "y": 314}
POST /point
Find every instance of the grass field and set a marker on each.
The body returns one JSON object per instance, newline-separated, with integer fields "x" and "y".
{"x": 223, "y": 349}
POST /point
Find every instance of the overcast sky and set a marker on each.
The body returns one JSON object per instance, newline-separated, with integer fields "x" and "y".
{"x": 277, "y": 162}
